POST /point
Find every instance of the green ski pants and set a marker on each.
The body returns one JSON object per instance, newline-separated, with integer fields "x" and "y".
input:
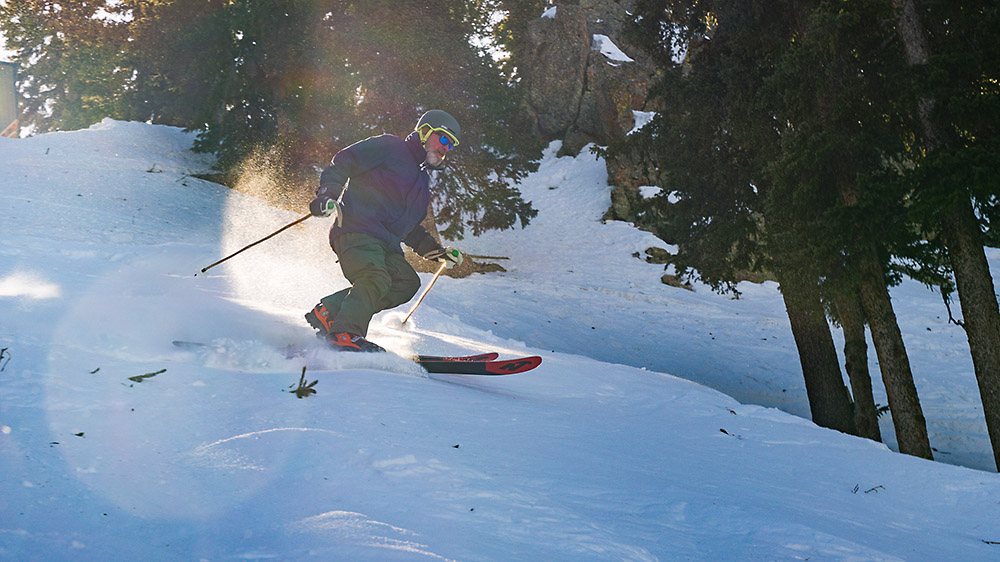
{"x": 380, "y": 279}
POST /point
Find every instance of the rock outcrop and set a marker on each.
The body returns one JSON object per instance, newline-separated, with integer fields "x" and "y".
{"x": 583, "y": 80}
{"x": 583, "y": 83}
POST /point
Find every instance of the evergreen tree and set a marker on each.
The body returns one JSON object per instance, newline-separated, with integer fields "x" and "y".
{"x": 953, "y": 50}
{"x": 821, "y": 123}
{"x": 868, "y": 132}
{"x": 72, "y": 63}
{"x": 510, "y": 31}
{"x": 726, "y": 210}
{"x": 408, "y": 59}
{"x": 832, "y": 87}
{"x": 297, "y": 81}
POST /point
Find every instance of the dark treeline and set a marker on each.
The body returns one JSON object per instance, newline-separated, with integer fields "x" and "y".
{"x": 837, "y": 146}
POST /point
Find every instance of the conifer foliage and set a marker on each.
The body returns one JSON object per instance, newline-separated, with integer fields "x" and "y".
{"x": 802, "y": 138}
{"x": 295, "y": 81}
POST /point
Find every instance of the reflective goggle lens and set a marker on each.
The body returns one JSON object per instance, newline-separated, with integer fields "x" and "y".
{"x": 447, "y": 140}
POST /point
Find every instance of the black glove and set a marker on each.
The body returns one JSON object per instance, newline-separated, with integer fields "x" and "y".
{"x": 325, "y": 205}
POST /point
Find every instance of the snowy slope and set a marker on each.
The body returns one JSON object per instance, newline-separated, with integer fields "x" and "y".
{"x": 599, "y": 454}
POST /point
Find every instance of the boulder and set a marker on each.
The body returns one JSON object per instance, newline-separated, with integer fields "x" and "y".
{"x": 576, "y": 92}
{"x": 555, "y": 69}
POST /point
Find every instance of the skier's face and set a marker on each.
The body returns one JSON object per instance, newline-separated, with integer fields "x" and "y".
{"x": 435, "y": 150}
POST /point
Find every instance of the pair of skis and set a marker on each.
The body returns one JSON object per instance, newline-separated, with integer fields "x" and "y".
{"x": 481, "y": 364}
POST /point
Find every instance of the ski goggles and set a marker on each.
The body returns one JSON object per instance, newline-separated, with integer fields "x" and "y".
{"x": 448, "y": 140}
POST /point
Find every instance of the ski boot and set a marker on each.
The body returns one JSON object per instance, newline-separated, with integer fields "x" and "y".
{"x": 320, "y": 319}
{"x": 344, "y": 341}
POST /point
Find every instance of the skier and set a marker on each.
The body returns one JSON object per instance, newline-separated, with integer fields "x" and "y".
{"x": 383, "y": 205}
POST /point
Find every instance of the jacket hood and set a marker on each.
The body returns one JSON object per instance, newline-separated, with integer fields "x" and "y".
{"x": 416, "y": 147}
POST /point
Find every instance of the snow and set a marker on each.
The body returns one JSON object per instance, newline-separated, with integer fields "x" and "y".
{"x": 607, "y": 47}
{"x": 641, "y": 118}
{"x": 649, "y": 191}
{"x": 116, "y": 445}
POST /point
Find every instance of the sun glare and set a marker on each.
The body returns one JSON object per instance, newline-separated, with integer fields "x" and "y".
{"x": 26, "y": 285}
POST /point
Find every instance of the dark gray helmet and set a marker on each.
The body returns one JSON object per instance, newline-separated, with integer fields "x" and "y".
{"x": 441, "y": 121}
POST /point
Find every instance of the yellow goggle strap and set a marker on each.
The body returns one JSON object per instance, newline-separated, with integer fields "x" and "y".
{"x": 425, "y": 131}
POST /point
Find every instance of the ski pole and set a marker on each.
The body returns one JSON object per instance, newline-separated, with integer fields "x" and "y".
{"x": 434, "y": 279}
{"x": 247, "y": 247}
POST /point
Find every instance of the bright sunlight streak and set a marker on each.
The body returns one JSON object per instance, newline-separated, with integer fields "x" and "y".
{"x": 27, "y": 285}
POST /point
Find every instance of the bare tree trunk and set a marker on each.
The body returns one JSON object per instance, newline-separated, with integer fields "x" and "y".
{"x": 852, "y": 319}
{"x": 979, "y": 309}
{"x": 963, "y": 238}
{"x": 904, "y": 405}
{"x": 829, "y": 401}
{"x": 907, "y": 416}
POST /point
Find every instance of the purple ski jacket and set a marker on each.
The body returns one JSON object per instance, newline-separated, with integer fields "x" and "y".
{"x": 388, "y": 193}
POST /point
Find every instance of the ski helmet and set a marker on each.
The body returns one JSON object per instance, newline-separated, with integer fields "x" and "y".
{"x": 436, "y": 120}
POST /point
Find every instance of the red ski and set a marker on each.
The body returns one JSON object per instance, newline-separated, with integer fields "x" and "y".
{"x": 493, "y": 367}
{"x": 481, "y": 357}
